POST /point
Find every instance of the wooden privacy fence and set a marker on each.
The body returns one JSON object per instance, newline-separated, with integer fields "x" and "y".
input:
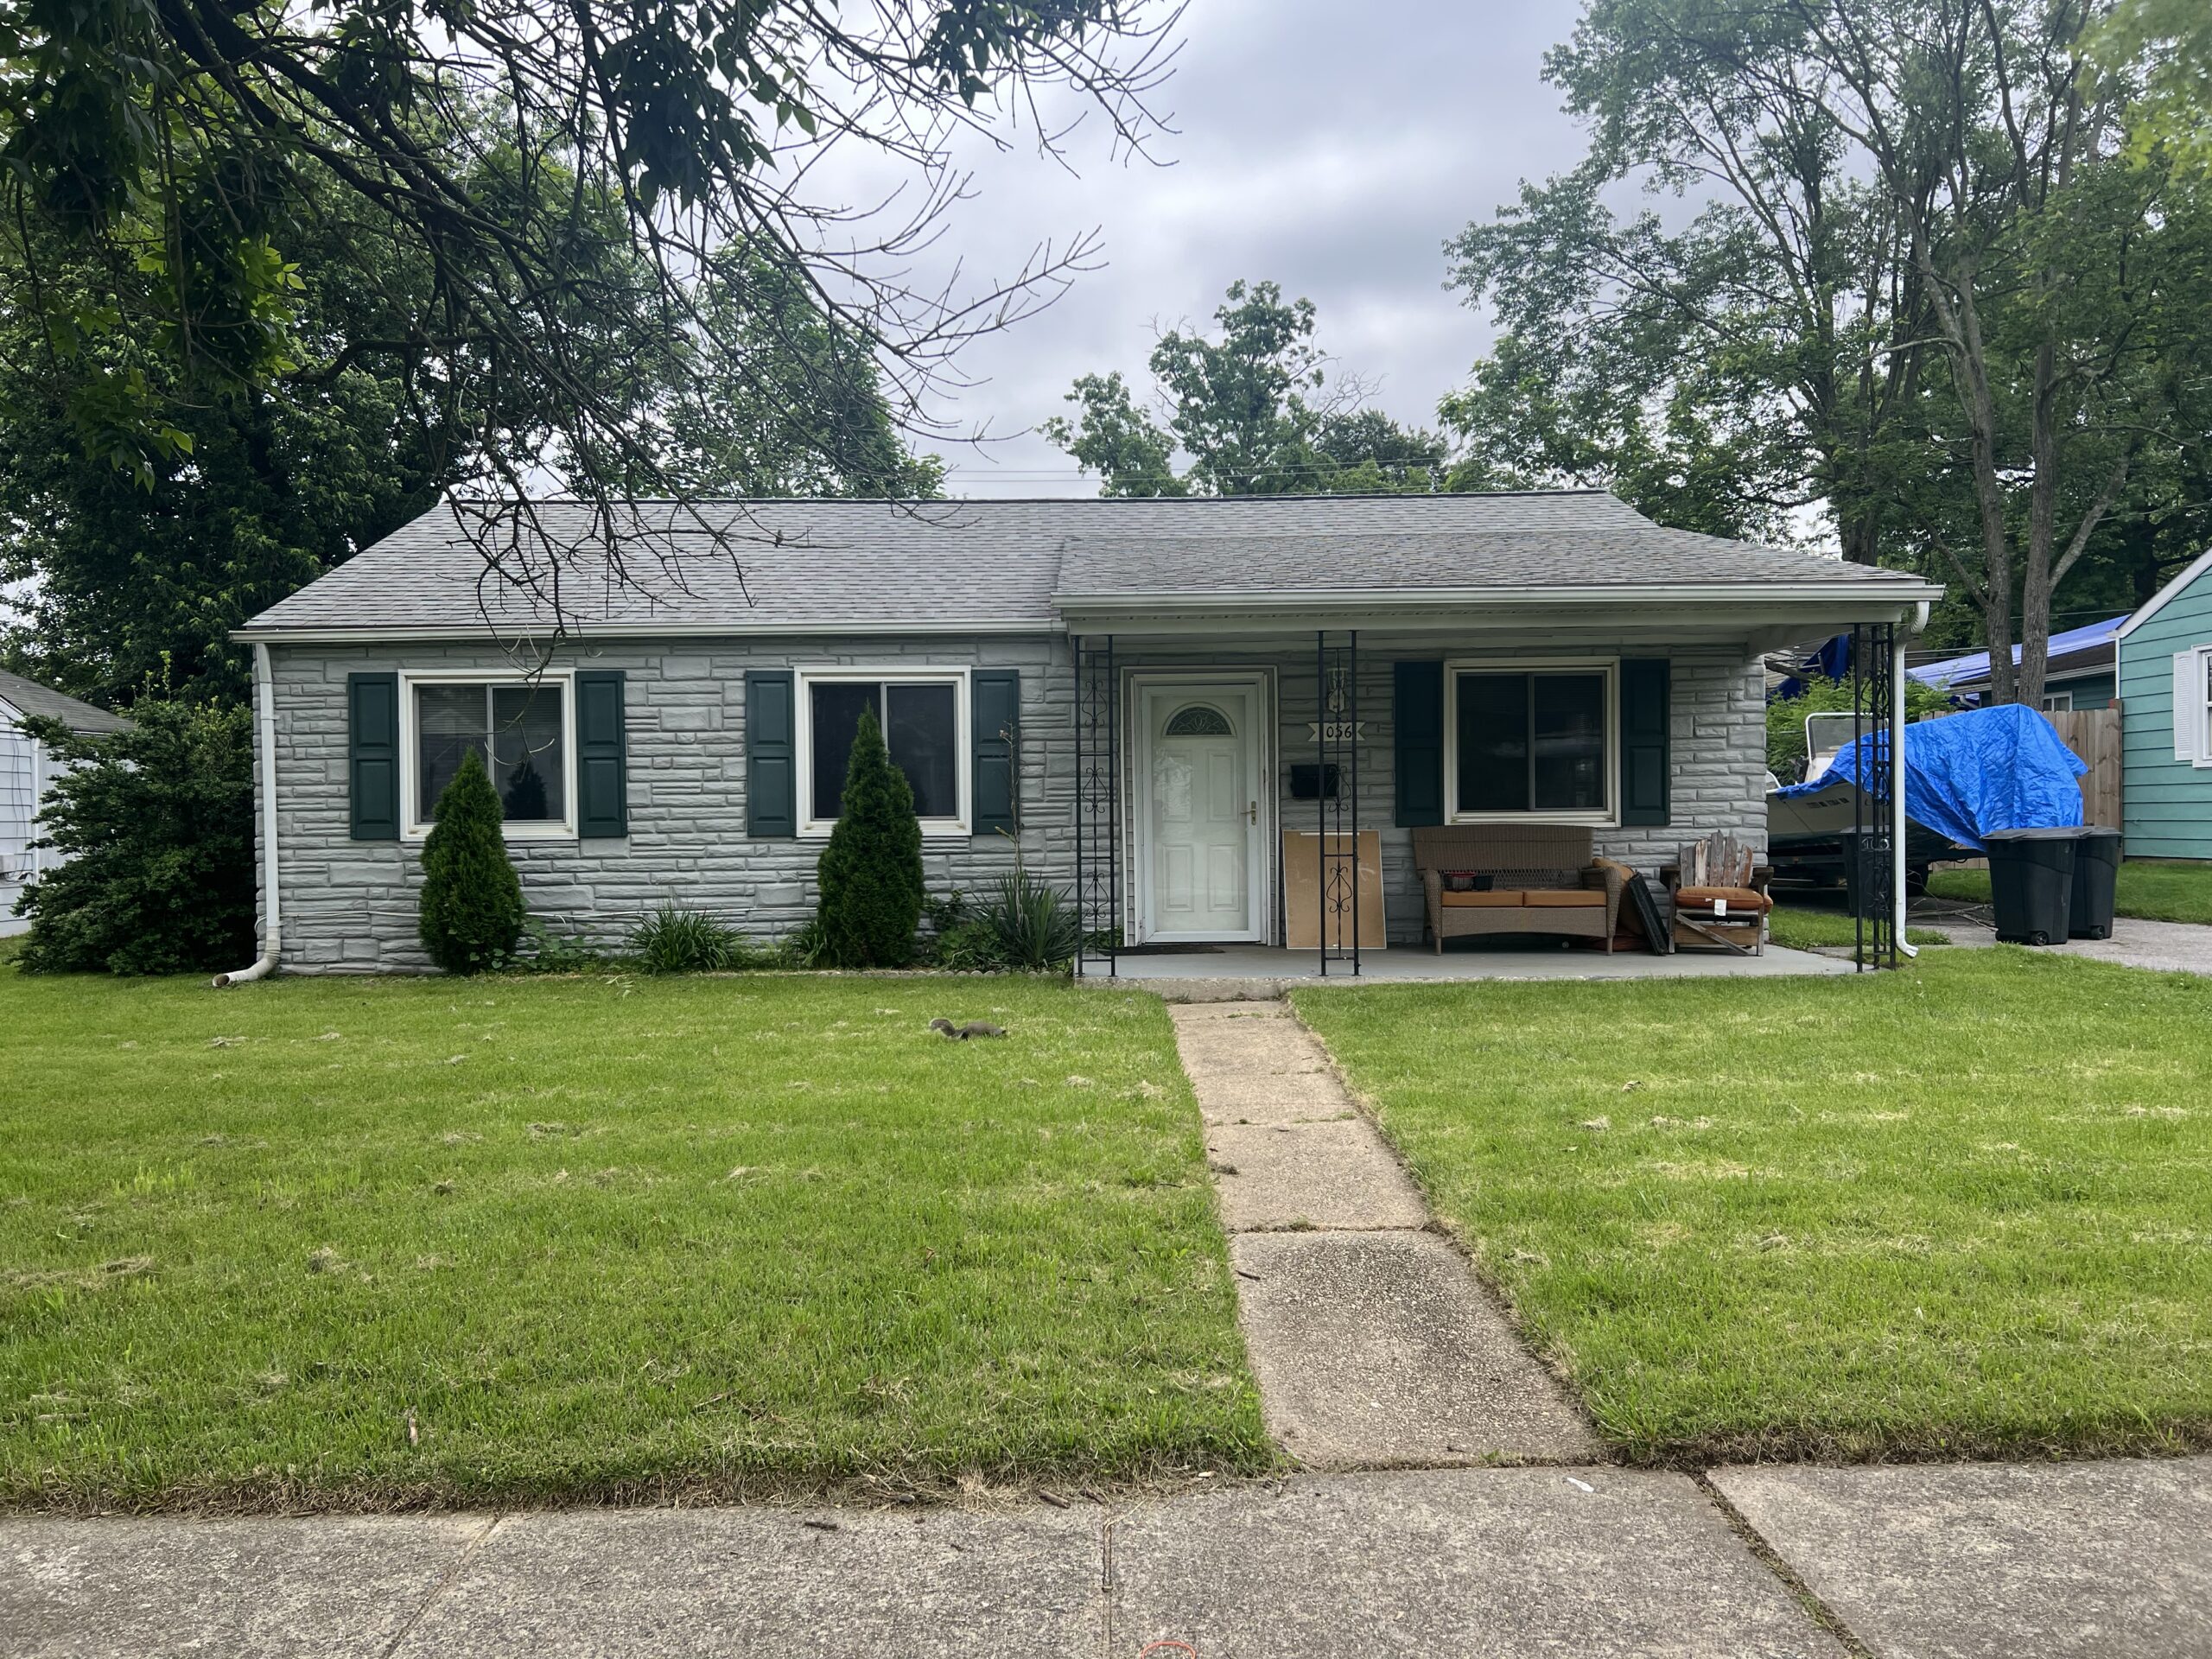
{"x": 2094, "y": 734}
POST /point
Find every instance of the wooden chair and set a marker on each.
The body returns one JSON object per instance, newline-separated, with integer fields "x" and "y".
{"x": 1721, "y": 901}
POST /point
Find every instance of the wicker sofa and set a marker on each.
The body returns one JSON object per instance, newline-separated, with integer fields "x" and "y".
{"x": 1542, "y": 880}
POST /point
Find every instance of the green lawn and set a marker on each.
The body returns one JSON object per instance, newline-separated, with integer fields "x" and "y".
{"x": 2151, "y": 892}
{"x": 1802, "y": 927}
{"x": 599, "y": 1237}
{"x": 1961, "y": 1209}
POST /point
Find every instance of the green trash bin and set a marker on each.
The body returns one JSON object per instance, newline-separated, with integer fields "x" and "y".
{"x": 2032, "y": 883}
{"x": 2096, "y": 879}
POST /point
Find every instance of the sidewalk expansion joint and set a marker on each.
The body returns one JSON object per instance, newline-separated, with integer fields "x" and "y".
{"x": 446, "y": 1581}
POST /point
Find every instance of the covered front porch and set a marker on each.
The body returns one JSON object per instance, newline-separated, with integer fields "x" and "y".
{"x": 1255, "y": 771}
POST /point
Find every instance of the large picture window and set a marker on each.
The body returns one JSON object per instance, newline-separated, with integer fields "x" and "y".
{"x": 520, "y": 728}
{"x": 1535, "y": 741}
{"x": 923, "y": 725}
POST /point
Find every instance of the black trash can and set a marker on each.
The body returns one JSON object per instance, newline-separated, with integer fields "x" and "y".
{"x": 2032, "y": 883}
{"x": 2096, "y": 875}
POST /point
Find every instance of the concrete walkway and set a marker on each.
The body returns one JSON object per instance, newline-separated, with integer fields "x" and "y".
{"x": 1371, "y": 1340}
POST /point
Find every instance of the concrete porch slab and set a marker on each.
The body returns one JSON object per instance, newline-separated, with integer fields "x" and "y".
{"x": 1328, "y": 1175}
{"x": 1597, "y": 1563}
{"x": 1991, "y": 1560}
{"x": 1237, "y": 971}
{"x": 1381, "y": 1348}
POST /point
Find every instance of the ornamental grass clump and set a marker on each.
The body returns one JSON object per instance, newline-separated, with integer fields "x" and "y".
{"x": 871, "y": 872}
{"x": 472, "y": 912}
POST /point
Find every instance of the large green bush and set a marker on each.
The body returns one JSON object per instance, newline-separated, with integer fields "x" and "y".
{"x": 472, "y": 913}
{"x": 871, "y": 871}
{"x": 158, "y": 824}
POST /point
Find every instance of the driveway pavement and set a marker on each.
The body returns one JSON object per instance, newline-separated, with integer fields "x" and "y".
{"x": 2165, "y": 947}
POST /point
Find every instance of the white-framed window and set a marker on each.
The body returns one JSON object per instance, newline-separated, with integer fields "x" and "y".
{"x": 2193, "y": 706}
{"x": 2059, "y": 703}
{"x": 923, "y": 713}
{"x": 524, "y": 725}
{"x": 1532, "y": 739}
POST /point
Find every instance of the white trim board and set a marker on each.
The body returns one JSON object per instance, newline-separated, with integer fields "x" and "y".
{"x": 2158, "y": 601}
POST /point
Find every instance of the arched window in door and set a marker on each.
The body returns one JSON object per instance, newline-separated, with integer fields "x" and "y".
{"x": 1198, "y": 720}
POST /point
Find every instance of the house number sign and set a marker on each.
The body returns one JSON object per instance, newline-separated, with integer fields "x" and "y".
{"x": 1336, "y": 729}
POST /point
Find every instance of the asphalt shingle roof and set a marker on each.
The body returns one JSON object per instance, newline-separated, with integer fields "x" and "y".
{"x": 29, "y": 698}
{"x": 827, "y": 564}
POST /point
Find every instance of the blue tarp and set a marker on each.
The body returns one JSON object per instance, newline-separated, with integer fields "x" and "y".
{"x": 1974, "y": 667}
{"x": 1967, "y": 774}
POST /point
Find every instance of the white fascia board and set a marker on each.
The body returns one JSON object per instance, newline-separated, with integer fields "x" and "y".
{"x": 1767, "y": 605}
{"x": 2172, "y": 590}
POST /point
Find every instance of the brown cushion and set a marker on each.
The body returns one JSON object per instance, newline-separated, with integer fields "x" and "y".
{"x": 1465, "y": 881}
{"x": 1487, "y": 900}
{"x": 1582, "y": 898}
{"x": 1737, "y": 898}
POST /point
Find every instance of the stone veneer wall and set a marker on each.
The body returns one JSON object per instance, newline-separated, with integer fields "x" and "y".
{"x": 350, "y": 906}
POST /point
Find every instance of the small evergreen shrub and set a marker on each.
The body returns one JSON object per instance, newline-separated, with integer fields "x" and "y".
{"x": 158, "y": 824}
{"x": 871, "y": 871}
{"x": 673, "y": 940}
{"x": 472, "y": 913}
{"x": 1033, "y": 923}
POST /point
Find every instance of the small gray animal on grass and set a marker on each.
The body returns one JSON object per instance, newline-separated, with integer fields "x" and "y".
{"x": 961, "y": 1034}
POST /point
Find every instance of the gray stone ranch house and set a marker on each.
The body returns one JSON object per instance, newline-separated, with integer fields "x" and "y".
{"x": 1545, "y": 657}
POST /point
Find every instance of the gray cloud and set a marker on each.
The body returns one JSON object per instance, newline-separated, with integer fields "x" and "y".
{"x": 1331, "y": 148}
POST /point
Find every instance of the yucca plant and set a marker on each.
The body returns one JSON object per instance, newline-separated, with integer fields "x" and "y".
{"x": 673, "y": 940}
{"x": 1034, "y": 922}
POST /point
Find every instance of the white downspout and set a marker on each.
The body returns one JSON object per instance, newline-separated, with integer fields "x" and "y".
{"x": 1902, "y": 898}
{"x": 265, "y": 720}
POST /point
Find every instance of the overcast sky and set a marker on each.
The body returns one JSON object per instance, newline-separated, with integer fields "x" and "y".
{"x": 1332, "y": 147}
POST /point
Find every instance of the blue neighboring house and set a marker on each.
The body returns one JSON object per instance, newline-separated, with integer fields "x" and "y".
{"x": 2166, "y": 688}
{"x": 2080, "y": 674}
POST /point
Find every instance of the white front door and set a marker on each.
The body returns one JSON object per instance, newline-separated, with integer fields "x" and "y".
{"x": 1200, "y": 863}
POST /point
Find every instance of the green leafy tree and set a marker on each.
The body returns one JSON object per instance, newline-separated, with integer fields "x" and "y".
{"x": 2166, "y": 46}
{"x": 1254, "y": 411}
{"x": 156, "y": 154}
{"x": 787, "y": 398}
{"x": 472, "y": 908}
{"x": 154, "y": 823}
{"x": 1922, "y": 289}
{"x": 871, "y": 871}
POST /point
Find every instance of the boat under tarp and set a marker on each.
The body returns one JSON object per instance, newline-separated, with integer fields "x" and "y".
{"x": 1966, "y": 775}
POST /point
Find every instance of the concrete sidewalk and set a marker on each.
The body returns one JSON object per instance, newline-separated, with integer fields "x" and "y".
{"x": 1596, "y": 1563}
{"x": 2102, "y": 1561}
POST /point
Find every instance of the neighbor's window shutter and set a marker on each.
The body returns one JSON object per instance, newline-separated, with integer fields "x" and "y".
{"x": 372, "y": 755}
{"x": 994, "y": 696}
{"x": 602, "y": 765}
{"x": 1417, "y": 715}
{"x": 1647, "y": 719}
{"x": 770, "y": 753}
{"x": 2188, "y": 705}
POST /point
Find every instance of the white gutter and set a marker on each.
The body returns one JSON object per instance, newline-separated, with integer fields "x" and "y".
{"x": 265, "y": 720}
{"x": 593, "y": 634}
{"x": 1907, "y": 591}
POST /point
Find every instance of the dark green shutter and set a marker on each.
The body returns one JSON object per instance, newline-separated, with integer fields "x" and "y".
{"x": 771, "y": 754}
{"x": 994, "y": 696}
{"x": 1417, "y": 716}
{"x": 602, "y": 766}
{"x": 372, "y": 755}
{"x": 1647, "y": 719}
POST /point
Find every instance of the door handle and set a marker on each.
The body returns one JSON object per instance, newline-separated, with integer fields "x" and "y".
{"x": 1254, "y": 810}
